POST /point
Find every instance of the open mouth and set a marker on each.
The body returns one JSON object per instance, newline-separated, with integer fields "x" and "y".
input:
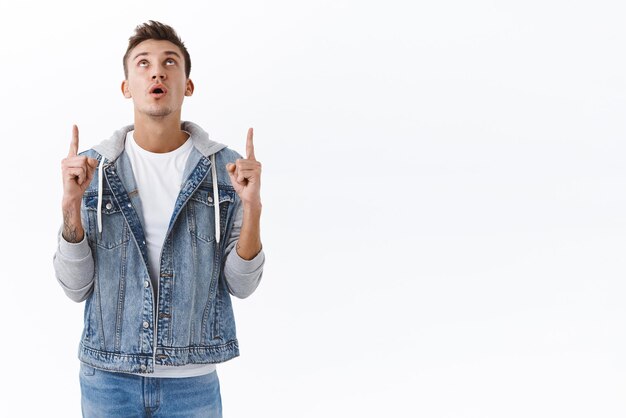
{"x": 158, "y": 91}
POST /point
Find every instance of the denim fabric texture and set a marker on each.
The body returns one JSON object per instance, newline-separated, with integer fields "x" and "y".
{"x": 114, "y": 395}
{"x": 129, "y": 326}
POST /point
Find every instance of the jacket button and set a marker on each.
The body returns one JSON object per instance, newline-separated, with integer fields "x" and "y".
{"x": 129, "y": 205}
{"x": 209, "y": 199}
{"x": 146, "y": 284}
{"x": 146, "y": 324}
{"x": 109, "y": 206}
{"x": 143, "y": 368}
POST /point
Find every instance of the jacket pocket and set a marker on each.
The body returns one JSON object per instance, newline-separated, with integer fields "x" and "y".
{"x": 201, "y": 211}
{"x": 114, "y": 226}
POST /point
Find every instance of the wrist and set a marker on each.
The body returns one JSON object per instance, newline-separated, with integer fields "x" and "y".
{"x": 72, "y": 205}
{"x": 252, "y": 207}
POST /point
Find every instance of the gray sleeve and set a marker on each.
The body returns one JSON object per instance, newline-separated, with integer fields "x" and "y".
{"x": 242, "y": 276}
{"x": 74, "y": 268}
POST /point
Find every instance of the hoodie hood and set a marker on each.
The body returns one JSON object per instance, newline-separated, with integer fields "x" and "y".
{"x": 111, "y": 148}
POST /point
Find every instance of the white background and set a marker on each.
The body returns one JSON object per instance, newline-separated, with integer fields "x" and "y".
{"x": 444, "y": 208}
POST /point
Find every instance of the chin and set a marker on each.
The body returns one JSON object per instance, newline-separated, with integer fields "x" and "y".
{"x": 158, "y": 112}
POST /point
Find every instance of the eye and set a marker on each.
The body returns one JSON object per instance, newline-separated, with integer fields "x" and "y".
{"x": 142, "y": 63}
{"x": 170, "y": 61}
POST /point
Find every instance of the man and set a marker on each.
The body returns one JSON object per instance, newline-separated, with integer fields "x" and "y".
{"x": 160, "y": 225}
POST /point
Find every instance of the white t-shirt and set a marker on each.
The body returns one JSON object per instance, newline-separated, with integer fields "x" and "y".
{"x": 158, "y": 177}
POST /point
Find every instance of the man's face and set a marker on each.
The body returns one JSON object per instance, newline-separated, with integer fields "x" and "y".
{"x": 156, "y": 78}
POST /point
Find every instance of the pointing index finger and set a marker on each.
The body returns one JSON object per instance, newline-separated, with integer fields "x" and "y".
{"x": 250, "y": 145}
{"x": 74, "y": 144}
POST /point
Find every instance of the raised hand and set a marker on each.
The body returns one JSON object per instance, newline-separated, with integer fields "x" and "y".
{"x": 245, "y": 175}
{"x": 77, "y": 172}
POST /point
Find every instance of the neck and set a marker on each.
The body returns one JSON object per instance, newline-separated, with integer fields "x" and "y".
{"x": 159, "y": 134}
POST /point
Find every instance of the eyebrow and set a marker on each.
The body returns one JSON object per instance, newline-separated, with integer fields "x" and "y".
{"x": 146, "y": 53}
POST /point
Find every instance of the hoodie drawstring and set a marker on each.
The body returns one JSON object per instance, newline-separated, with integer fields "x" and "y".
{"x": 100, "y": 195}
{"x": 216, "y": 199}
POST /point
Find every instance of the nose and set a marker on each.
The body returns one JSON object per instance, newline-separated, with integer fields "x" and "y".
{"x": 159, "y": 73}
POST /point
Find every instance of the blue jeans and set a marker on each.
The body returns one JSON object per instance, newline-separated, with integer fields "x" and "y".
{"x": 108, "y": 394}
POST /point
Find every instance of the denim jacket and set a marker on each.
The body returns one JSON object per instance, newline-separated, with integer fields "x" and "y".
{"x": 128, "y": 326}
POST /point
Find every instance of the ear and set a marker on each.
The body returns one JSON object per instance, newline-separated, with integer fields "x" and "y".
{"x": 189, "y": 88}
{"x": 125, "y": 90}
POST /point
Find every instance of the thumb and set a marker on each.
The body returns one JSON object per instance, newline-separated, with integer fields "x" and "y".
{"x": 230, "y": 168}
{"x": 92, "y": 164}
